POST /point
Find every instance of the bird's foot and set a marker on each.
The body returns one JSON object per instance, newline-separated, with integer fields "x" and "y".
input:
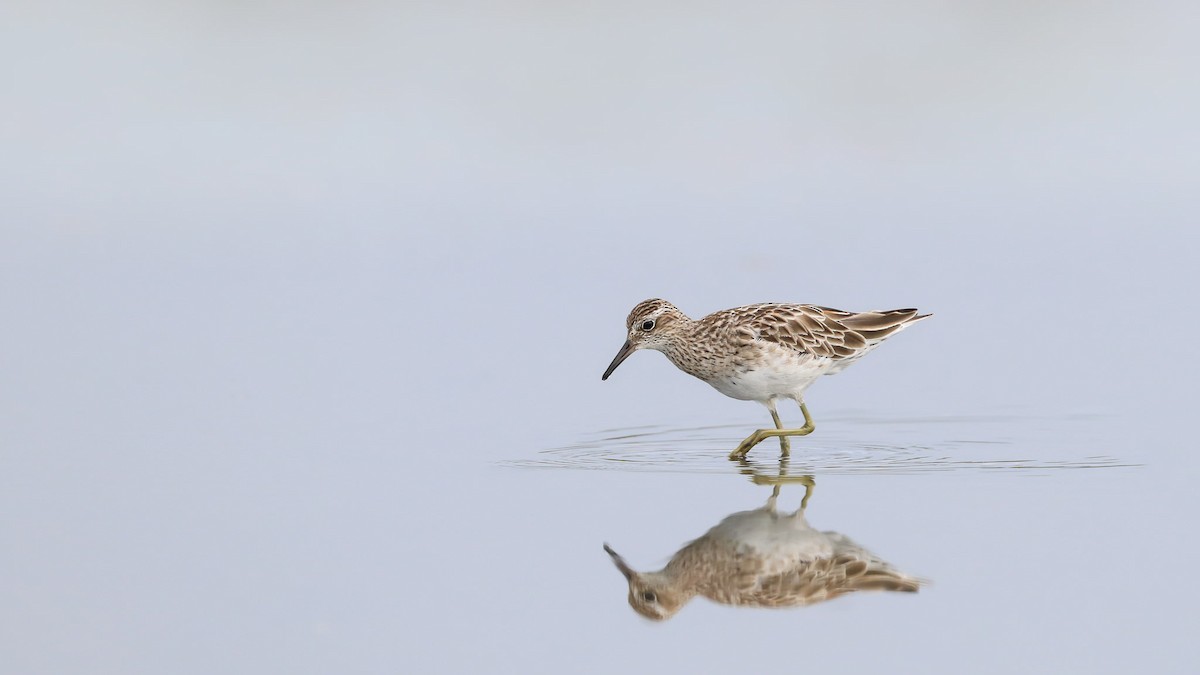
{"x": 758, "y": 436}
{"x": 744, "y": 447}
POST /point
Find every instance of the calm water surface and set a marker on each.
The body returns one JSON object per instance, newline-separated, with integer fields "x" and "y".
{"x": 305, "y": 310}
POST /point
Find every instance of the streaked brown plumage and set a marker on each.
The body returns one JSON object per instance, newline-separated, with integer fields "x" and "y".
{"x": 761, "y": 558}
{"x": 761, "y": 352}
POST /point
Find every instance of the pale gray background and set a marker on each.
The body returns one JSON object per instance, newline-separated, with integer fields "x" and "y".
{"x": 286, "y": 288}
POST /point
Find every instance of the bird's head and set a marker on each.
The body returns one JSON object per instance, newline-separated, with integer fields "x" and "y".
{"x": 653, "y": 324}
{"x": 650, "y": 594}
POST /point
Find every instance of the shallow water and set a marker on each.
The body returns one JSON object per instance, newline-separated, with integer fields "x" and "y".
{"x": 850, "y": 445}
{"x": 305, "y": 314}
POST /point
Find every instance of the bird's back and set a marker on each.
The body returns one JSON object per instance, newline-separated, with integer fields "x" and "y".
{"x": 851, "y": 568}
{"x": 758, "y": 352}
{"x": 763, "y": 558}
{"x": 824, "y": 332}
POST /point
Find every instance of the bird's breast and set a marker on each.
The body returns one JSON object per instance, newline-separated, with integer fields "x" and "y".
{"x": 767, "y": 372}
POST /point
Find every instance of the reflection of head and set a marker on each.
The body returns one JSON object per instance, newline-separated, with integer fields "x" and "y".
{"x": 650, "y": 594}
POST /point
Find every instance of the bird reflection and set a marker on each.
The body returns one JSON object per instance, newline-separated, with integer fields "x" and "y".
{"x": 762, "y": 558}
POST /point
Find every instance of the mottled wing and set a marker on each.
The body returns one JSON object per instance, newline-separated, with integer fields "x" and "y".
{"x": 824, "y": 331}
{"x": 807, "y": 329}
{"x": 826, "y": 578}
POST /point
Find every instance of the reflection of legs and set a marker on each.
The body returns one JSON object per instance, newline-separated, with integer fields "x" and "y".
{"x": 809, "y": 484}
{"x": 771, "y": 502}
{"x": 758, "y": 436}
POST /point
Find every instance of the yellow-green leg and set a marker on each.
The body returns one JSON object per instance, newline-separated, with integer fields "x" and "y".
{"x": 761, "y": 434}
{"x": 784, "y": 444}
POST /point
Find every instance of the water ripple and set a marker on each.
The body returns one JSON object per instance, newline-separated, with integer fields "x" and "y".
{"x": 845, "y": 446}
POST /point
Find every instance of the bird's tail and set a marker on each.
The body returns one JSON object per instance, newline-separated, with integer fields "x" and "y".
{"x": 877, "y": 326}
{"x": 876, "y": 575}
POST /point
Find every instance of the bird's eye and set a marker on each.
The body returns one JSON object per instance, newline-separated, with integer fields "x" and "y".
{"x": 649, "y": 596}
{"x": 648, "y": 324}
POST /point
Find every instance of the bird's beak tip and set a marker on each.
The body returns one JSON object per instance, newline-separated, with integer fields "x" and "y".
{"x": 626, "y": 350}
{"x": 619, "y": 562}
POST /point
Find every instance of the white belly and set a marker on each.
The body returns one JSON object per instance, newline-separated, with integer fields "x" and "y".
{"x": 779, "y": 372}
{"x": 779, "y": 542}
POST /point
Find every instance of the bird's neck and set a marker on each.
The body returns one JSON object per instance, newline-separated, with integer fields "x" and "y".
{"x": 689, "y": 354}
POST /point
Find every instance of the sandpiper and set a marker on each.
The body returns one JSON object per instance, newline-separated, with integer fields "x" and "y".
{"x": 761, "y": 558}
{"x": 761, "y": 352}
